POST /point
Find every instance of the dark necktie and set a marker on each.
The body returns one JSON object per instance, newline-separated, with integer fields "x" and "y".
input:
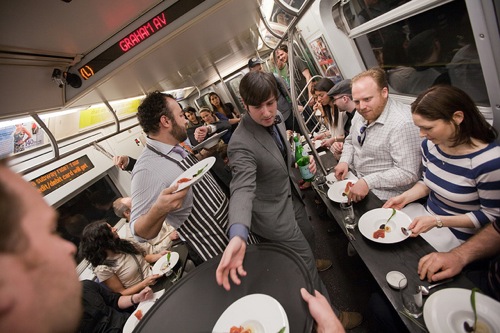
{"x": 274, "y": 133}
{"x": 179, "y": 150}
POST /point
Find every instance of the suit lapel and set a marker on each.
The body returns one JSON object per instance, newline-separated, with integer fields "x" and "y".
{"x": 263, "y": 137}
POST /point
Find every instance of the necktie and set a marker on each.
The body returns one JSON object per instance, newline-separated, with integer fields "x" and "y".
{"x": 179, "y": 150}
{"x": 274, "y": 133}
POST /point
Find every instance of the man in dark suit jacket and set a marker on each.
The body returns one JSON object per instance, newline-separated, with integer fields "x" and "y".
{"x": 264, "y": 199}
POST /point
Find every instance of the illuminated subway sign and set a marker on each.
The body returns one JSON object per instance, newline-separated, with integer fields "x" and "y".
{"x": 136, "y": 37}
{"x": 156, "y": 24}
{"x": 64, "y": 174}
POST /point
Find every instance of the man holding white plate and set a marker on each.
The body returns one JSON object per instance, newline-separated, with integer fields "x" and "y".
{"x": 200, "y": 219}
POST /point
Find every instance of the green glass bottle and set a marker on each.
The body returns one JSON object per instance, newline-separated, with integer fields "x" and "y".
{"x": 302, "y": 160}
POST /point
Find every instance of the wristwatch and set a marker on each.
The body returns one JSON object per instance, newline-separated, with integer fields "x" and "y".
{"x": 439, "y": 223}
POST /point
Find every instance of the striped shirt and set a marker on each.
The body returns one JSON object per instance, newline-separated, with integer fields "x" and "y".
{"x": 388, "y": 156}
{"x": 466, "y": 184}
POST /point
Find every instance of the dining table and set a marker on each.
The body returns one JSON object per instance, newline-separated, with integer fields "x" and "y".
{"x": 381, "y": 258}
{"x": 196, "y": 302}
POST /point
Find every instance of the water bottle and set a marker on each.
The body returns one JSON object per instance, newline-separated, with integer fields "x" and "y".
{"x": 302, "y": 160}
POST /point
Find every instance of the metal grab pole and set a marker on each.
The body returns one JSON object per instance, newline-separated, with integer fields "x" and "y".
{"x": 298, "y": 116}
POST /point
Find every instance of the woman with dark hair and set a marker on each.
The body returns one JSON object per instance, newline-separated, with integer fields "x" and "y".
{"x": 334, "y": 119}
{"x": 224, "y": 110}
{"x": 461, "y": 160}
{"x": 117, "y": 262}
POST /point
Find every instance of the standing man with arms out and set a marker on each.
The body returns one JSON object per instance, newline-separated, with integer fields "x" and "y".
{"x": 198, "y": 213}
{"x": 264, "y": 199}
{"x": 383, "y": 146}
{"x": 39, "y": 287}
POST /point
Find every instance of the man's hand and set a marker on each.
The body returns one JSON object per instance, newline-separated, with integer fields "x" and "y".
{"x": 321, "y": 311}
{"x": 358, "y": 191}
{"x": 341, "y": 170}
{"x": 121, "y": 161}
{"x": 231, "y": 263}
{"x": 168, "y": 201}
{"x": 438, "y": 266}
{"x": 337, "y": 147}
{"x": 200, "y": 133}
{"x": 144, "y": 295}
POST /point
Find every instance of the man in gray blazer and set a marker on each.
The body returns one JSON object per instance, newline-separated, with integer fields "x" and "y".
{"x": 263, "y": 196}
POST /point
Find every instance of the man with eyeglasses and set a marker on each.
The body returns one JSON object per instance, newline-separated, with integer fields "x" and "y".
{"x": 341, "y": 97}
{"x": 383, "y": 145}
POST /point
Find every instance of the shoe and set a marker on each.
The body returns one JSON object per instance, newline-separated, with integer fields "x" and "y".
{"x": 349, "y": 320}
{"x": 301, "y": 182}
{"x": 305, "y": 186}
{"x": 351, "y": 251}
{"x": 323, "y": 264}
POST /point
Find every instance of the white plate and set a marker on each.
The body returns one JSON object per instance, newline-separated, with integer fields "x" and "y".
{"x": 331, "y": 177}
{"x": 336, "y": 190}
{"x": 190, "y": 173}
{"x": 262, "y": 312}
{"x": 132, "y": 321}
{"x": 371, "y": 221}
{"x": 210, "y": 142}
{"x": 160, "y": 268}
{"x": 447, "y": 309}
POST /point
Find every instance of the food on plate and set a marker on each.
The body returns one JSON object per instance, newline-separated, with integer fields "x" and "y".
{"x": 347, "y": 189}
{"x": 380, "y": 232}
{"x": 200, "y": 171}
{"x": 183, "y": 180}
{"x": 138, "y": 314}
{"x": 240, "y": 329}
{"x": 166, "y": 264}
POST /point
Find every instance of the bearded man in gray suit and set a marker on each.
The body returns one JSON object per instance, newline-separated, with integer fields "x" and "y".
{"x": 263, "y": 197}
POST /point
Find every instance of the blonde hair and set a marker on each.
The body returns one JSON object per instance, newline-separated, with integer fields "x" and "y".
{"x": 376, "y": 73}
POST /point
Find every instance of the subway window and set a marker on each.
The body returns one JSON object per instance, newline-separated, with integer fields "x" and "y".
{"x": 433, "y": 47}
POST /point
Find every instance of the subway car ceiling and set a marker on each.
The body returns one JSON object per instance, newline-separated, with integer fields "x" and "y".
{"x": 195, "y": 43}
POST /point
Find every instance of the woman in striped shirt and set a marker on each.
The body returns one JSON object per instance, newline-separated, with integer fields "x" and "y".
{"x": 461, "y": 176}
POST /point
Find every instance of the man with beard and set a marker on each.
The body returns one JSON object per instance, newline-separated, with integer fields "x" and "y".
{"x": 199, "y": 212}
{"x": 383, "y": 145}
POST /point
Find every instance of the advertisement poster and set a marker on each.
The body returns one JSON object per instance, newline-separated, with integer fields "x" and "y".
{"x": 20, "y": 137}
{"x": 325, "y": 60}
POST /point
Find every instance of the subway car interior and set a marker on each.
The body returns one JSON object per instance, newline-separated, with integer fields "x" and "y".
{"x": 74, "y": 72}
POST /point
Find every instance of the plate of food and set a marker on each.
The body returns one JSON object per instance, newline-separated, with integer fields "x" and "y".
{"x": 381, "y": 226}
{"x": 166, "y": 263}
{"x": 141, "y": 310}
{"x": 210, "y": 141}
{"x": 256, "y": 313}
{"x": 194, "y": 174}
{"x": 340, "y": 189}
{"x": 448, "y": 309}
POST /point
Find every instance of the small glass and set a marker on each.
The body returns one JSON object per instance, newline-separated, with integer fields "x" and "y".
{"x": 348, "y": 215}
{"x": 411, "y": 297}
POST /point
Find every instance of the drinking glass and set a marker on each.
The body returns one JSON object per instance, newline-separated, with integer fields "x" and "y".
{"x": 411, "y": 297}
{"x": 348, "y": 215}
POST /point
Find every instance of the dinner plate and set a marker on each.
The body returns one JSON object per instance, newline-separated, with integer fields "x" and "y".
{"x": 331, "y": 177}
{"x": 132, "y": 321}
{"x": 210, "y": 142}
{"x": 447, "y": 309}
{"x": 370, "y": 222}
{"x": 335, "y": 191}
{"x": 194, "y": 173}
{"x": 262, "y": 313}
{"x": 162, "y": 266}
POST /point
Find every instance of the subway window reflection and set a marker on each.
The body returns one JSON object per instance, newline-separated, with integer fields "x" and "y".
{"x": 435, "y": 47}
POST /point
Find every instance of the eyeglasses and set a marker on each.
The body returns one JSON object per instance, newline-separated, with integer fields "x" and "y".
{"x": 362, "y": 135}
